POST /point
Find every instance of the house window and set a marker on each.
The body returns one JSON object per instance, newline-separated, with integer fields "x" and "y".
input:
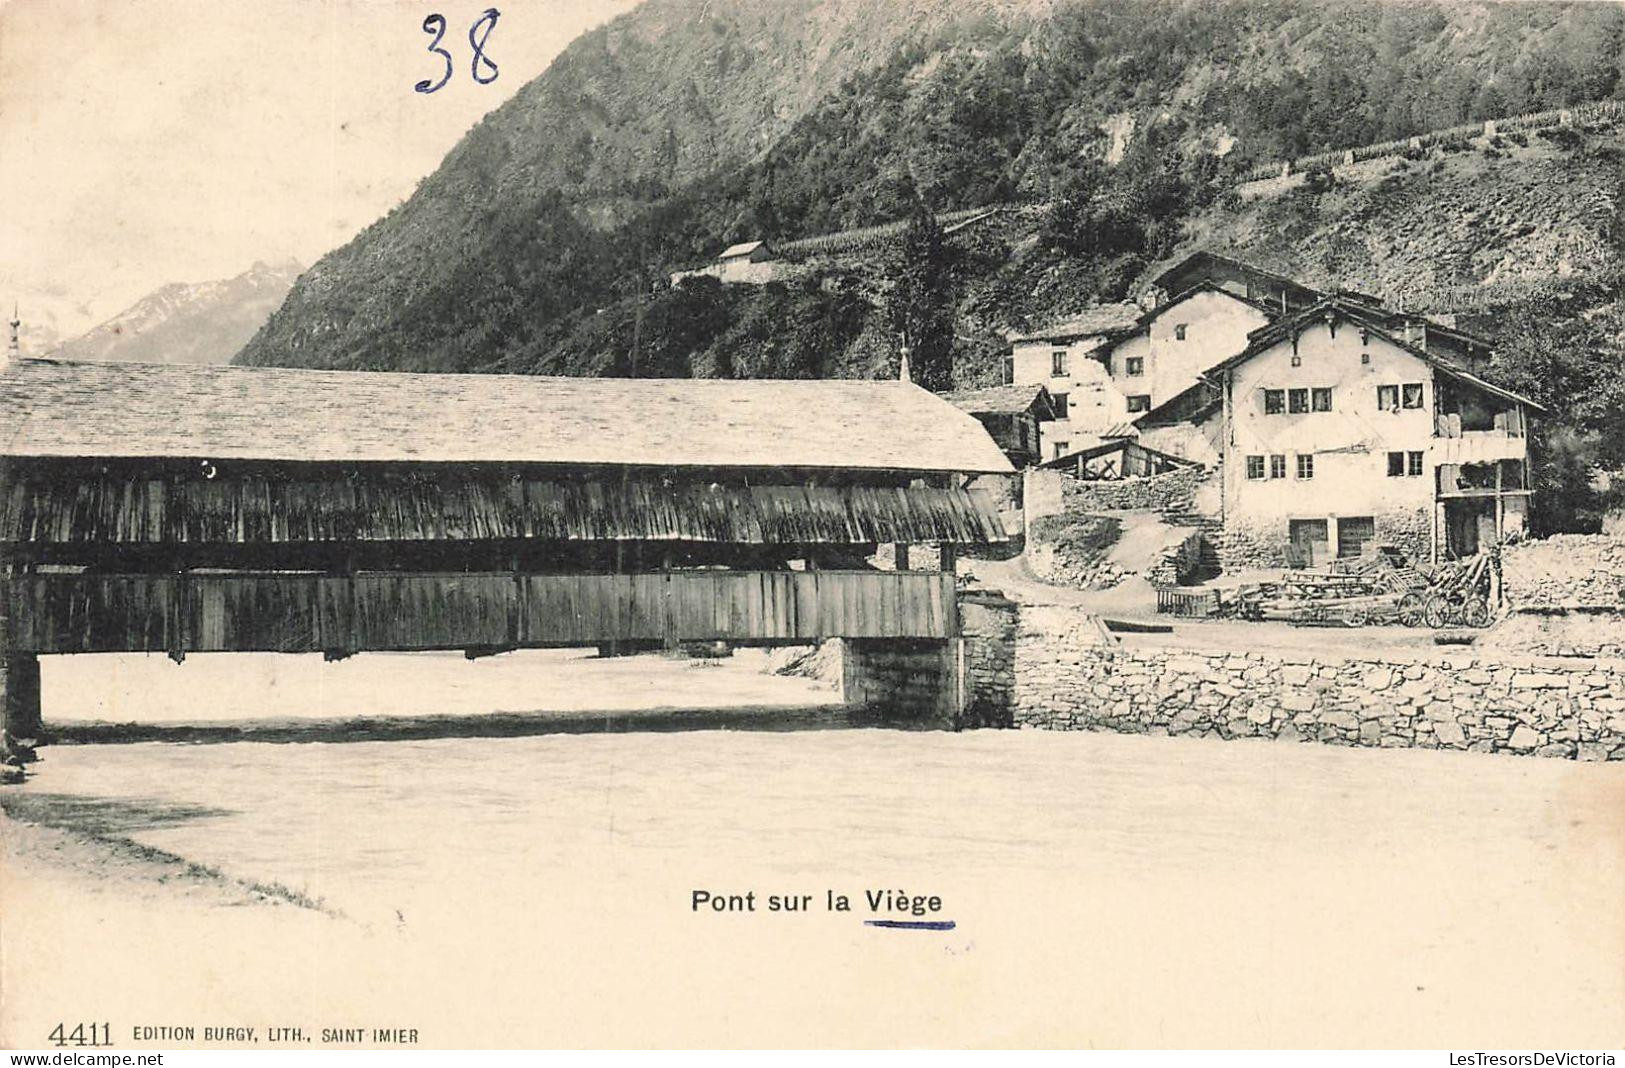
{"x": 1134, "y": 366}
{"x": 1057, "y": 364}
{"x": 1297, "y": 361}
{"x": 1274, "y": 401}
{"x": 1059, "y": 402}
{"x": 1365, "y": 357}
{"x": 1278, "y": 466}
{"x": 1297, "y": 401}
{"x": 1387, "y": 398}
{"x": 1413, "y": 394}
{"x": 1322, "y": 399}
{"x": 1255, "y": 467}
{"x": 1139, "y": 402}
{"x": 1060, "y": 449}
{"x": 1396, "y": 464}
{"x": 1179, "y": 331}
{"x": 1413, "y": 465}
{"x": 1306, "y": 466}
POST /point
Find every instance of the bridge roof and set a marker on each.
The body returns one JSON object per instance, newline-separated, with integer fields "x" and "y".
{"x": 52, "y": 408}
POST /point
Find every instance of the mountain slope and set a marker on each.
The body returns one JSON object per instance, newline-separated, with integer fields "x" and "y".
{"x": 674, "y": 91}
{"x": 206, "y": 322}
{"x": 689, "y": 123}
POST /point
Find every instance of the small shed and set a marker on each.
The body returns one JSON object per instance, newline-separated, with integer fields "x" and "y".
{"x": 746, "y": 251}
{"x": 1012, "y": 415}
{"x": 1117, "y": 458}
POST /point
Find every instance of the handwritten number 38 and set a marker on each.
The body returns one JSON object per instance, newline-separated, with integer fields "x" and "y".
{"x": 478, "y": 34}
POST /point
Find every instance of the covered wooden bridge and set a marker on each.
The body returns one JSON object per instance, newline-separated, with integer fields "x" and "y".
{"x": 179, "y": 510}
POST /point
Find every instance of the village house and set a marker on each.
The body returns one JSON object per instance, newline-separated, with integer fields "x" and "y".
{"x": 1336, "y": 432}
{"x": 1071, "y": 359}
{"x": 1113, "y": 363}
{"x": 1170, "y": 346}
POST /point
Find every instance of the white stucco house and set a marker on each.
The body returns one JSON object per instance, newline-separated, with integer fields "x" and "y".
{"x": 1072, "y": 359}
{"x": 1335, "y": 431}
{"x": 1110, "y": 364}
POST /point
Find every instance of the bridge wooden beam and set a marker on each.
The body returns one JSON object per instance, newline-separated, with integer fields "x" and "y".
{"x": 341, "y": 615}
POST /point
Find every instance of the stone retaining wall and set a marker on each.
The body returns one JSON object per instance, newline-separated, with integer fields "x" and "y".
{"x": 1066, "y": 678}
{"x": 1172, "y": 491}
{"x": 1559, "y": 632}
{"x": 1565, "y": 570}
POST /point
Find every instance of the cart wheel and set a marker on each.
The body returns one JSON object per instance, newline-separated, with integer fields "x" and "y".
{"x": 1476, "y": 613}
{"x": 1435, "y": 612}
{"x": 1356, "y": 617}
{"x": 1409, "y": 611}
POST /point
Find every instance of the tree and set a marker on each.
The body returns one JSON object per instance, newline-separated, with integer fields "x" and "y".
{"x": 920, "y": 305}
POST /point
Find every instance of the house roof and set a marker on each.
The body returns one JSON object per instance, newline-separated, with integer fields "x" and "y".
{"x": 1206, "y": 285}
{"x": 42, "y": 508}
{"x": 1122, "y": 320}
{"x": 1376, "y": 320}
{"x": 1004, "y": 400}
{"x": 1181, "y": 403}
{"x": 1204, "y": 262}
{"x": 744, "y": 248}
{"x": 58, "y": 408}
{"x": 1099, "y": 320}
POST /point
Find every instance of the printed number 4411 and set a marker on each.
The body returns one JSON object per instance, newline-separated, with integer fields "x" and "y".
{"x": 478, "y": 34}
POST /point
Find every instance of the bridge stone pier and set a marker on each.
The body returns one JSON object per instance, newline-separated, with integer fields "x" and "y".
{"x": 20, "y": 698}
{"x": 948, "y": 684}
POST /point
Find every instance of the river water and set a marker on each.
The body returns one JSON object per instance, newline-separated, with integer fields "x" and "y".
{"x": 1103, "y": 888}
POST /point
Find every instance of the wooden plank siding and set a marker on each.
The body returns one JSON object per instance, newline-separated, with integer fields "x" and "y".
{"x": 93, "y": 613}
{"x": 43, "y": 507}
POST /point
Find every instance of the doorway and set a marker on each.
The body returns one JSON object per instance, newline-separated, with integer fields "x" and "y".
{"x": 1309, "y": 540}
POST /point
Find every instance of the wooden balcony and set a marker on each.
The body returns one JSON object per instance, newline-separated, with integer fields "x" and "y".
{"x": 1479, "y": 447}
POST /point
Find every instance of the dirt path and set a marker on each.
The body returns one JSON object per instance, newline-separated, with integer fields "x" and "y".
{"x": 1145, "y": 538}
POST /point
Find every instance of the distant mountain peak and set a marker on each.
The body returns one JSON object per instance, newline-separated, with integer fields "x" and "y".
{"x": 188, "y": 322}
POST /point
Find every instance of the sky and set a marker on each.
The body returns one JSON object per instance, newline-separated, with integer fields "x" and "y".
{"x": 144, "y": 142}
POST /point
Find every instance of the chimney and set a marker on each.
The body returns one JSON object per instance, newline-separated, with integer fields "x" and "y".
{"x": 902, "y": 366}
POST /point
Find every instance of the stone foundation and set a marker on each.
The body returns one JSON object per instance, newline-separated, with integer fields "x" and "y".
{"x": 1411, "y": 532}
{"x": 989, "y": 622}
{"x": 1247, "y": 544}
{"x": 944, "y": 683}
{"x": 1244, "y": 546}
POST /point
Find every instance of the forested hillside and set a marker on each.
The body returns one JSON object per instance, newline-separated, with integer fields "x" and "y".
{"x": 1116, "y": 128}
{"x": 690, "y": 123}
